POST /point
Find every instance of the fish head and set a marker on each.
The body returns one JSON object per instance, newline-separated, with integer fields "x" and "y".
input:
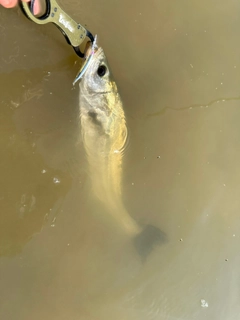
{"x": 98, "y": 90}
{"x": 101, "y": 111}
{"x": 97, "y": 78}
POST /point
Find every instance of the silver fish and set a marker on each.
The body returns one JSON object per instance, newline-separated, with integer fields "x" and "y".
{"x": 104, "y": 135}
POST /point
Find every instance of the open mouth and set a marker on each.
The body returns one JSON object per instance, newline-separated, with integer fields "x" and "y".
{"x": 90, "y": 50}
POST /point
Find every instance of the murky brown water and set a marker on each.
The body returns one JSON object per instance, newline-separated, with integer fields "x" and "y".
{"x": 177, "y": 66}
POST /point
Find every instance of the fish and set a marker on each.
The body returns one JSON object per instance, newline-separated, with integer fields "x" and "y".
{"x": 104, "y": 136}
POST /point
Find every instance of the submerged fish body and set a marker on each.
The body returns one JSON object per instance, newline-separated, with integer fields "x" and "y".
{"x": 104, "y": 135}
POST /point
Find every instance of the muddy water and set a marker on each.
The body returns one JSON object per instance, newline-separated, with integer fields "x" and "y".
{"x": 177, "y": 66}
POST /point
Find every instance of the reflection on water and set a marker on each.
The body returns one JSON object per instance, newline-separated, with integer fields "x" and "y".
{"x": 176, "y": 64}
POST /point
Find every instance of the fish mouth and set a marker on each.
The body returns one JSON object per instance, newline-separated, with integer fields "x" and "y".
{"x": 92, "y": 57}
{"x": 98, "y": 51}
{"x": 95, "y": 55}
{"x": 90, "y": 51}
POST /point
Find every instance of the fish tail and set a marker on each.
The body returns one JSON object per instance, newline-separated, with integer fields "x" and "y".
{"x": 149, "y": 237}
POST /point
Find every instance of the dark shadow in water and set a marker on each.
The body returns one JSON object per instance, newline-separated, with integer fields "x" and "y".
{"x": 149, "y": 238}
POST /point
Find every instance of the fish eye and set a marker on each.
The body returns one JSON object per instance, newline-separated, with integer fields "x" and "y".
{"x": 101, "y": 71}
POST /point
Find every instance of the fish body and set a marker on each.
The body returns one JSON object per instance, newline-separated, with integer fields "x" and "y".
{"x": 104, "y": 135}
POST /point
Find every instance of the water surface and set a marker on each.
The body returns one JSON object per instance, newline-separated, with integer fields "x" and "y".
{"x": 177, "y": 68}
